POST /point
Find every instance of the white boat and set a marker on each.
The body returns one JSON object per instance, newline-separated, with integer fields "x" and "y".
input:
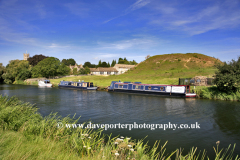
{"x": 45, "y": 83}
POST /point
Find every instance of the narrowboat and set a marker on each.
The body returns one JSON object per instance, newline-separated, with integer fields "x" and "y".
{"x": 44, "y": 83}
{"x": 155, "y": 89}
{"x": 77, "y": 85}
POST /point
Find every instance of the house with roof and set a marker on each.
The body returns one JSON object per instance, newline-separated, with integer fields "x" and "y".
{"x": 122, "y": 68}
{"x": 103, "y": 71}
{"x": 76, "y": 66}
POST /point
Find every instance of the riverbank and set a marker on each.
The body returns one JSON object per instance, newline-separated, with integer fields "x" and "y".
{"x": 25, "y": 134}
{"x": 206, "y": 92}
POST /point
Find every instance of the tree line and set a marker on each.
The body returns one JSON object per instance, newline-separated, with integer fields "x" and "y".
{"x": 43, "y": 66}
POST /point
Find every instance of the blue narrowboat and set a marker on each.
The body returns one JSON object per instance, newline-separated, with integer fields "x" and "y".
{"x": 77, "y": 85}
{"x": 155, "y": 89}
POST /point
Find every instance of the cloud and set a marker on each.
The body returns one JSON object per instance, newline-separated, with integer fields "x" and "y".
{"x": 195, "y": 19}
{"x": 54, "y": 45}
{"x": 137, "y": 5}
{"x": 79, "y": 9}
{"x": 135, "y": 43}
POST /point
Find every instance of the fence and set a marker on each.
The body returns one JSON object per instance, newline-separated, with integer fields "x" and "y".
{"x": 196, "y": 81}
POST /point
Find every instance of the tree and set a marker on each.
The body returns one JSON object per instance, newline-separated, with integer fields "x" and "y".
{"x": 17, "y": 70}
{"x": 2, "y": 71}
{"x": 99, "y": 64}
{"x": 35, "y": 59}
{"x": 68, "y": 62}
{"x": 108, "y": 64}
{"x": 227, "y": 77}
{"x": 87, "y": 64}
{"x": 133, "y": 62}
{"x": 71, "y": 61}
{"x": 87, "y": 70}
{"x": 113, "y": 63}
{"x": 50, "y": 67}
{"x": 104, "y": 64}
{"x": 75, "y": 71}
{"x": 81, "y": 71}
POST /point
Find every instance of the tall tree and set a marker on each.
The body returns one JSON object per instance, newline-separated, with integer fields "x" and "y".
{"x": 69, "y": 61}
{"x": 17, "y": 70}
{"x": 99, "y": 63}
{"x": 112, "y": 64}
{"x": 227, "y": 78}
{"x": 35, "y": 59}
{"x": 2, "y": 71}
{"x": 87, "y": 70}
{"x": 87, "y": 64}
{"x": 50, "y": 67}
{"x": 104, "y": 64}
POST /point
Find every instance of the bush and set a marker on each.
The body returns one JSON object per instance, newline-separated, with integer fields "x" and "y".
{"x": 227, "y": 77}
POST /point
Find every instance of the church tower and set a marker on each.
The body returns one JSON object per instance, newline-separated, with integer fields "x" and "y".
{"x": 25, "y": 56}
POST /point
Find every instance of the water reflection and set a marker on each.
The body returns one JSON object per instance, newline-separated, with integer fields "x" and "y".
{"x": 219, "y": 120}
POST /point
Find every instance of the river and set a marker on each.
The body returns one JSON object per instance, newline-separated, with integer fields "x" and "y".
{"x": 216, "y": 120}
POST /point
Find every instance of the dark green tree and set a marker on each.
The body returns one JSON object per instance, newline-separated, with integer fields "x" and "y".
{"x": 227, "y": 77}
{"x": 75, "y": 72}
{"x": 104, "y": 64}
{"x": 2, "y": 71}
{"x": 113, "y": 63}
{"x": 15, "y": 71}
{"x": 35, "y": 59}
{"x": 68, "y": 62}
{"x": 108, "y": 64}
{"x": 99, "y": 64}
{"x": 82, "y": 71}
{"x": 87, "y": 64}
{"x": 87, "y": 70}
{"x": 49, "y": 67}
{"x": 133, "y": 62}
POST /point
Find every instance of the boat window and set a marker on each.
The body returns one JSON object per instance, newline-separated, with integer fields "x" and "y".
{"x": 84, "y": 84}
{"x": 138, "y": 87}
{"x": 149, "y": 88}
{"x": 161, "y": 89}
{"x": 120, "y": 86}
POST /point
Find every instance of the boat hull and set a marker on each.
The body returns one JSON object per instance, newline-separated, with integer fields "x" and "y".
{"x": 152, "y": 89}
{"x": 77, "y": 87}
{"x": 44, "y": 84}
{"x": 148, "y": 93}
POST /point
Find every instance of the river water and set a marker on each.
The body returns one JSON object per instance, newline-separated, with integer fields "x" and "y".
{"x": 218, "y": 120}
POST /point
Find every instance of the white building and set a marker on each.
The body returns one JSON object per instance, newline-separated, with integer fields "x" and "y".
{"x": 103, "y": 71}
{"x": 122, "y": 68}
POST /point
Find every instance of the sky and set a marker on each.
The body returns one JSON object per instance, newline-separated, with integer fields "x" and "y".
{"x": 93, "y": 30}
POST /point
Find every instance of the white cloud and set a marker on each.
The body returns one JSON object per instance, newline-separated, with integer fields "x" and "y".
{"x": 137, "y": 5}
{"x": 135, "y": 43}
{"x": 79, "y": 9}
{"x": 197, "y": 20}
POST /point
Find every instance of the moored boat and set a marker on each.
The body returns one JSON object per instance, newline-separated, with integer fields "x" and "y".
{"x": 155, "y": 89}
{"x": 44, "y": 83}
{"x": 77, "y": 85}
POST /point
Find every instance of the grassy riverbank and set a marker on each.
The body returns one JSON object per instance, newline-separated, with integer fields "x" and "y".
{"x": 25, "y": 134}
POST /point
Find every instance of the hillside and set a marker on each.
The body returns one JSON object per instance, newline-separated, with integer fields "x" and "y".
{"x": 161, "y": 69}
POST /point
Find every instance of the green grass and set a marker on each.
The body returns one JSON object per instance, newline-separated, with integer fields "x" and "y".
{"x": 159, "y": 69}
{"x": 25, "y": 134}
{"x": 213, "y": 93}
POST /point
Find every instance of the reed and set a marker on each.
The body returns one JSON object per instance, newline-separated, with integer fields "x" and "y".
{"x": 213, "y": 93}
{"x": 25, "y": 134}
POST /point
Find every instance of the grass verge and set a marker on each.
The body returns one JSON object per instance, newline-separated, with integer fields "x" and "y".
{"x": 25, "y": 134}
